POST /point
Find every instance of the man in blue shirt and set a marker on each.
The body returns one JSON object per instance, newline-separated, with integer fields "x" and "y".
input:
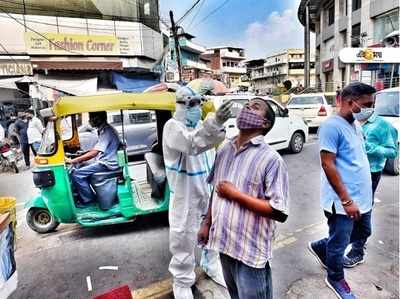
{"x": 104, "y": 154}
{"x": 346, "y": 192}
{"x": 380, "y": 144}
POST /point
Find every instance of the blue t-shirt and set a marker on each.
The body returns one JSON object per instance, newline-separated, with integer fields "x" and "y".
{"x": 338, "y": 136}
{"x": 108, "y": 144}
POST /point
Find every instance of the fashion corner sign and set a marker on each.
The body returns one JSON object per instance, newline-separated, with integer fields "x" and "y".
{"x": 370, "y": 55}
{"x": 76, "y": 44}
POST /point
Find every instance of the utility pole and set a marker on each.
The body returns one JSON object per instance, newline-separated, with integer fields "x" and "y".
{"x": 348, "y": 38}
{"x": 307, "y": 49}
{"x": 174, "y": 30}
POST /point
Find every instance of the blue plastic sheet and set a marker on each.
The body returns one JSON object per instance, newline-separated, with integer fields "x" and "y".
{"x": 132, "y": 84}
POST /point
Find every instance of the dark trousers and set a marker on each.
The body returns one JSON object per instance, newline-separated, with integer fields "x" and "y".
{"x": 245, "y": 282}
{"x": 375, "y": 177}
{"x": 342, "y": 231}
{"x": 26, "y": 153}
{"x": 80, "y": 179}
{"x": 357, "y": 248}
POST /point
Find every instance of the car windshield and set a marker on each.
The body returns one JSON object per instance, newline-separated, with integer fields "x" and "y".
{"x": 48, "y": 143}
{"x": 387, "y": 103}
{"x": 306, "y": 100}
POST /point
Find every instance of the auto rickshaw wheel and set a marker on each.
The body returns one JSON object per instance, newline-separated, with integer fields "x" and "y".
{"x": 41, "y": 221}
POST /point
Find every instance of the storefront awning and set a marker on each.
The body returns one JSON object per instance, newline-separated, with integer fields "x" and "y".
{"x": 76, "y": 64}
{"x": 134, "y": 84}
{"x": 72, "y": 86}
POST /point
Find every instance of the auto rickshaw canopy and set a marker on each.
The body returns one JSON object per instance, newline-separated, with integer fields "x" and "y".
{"x": 116, "y": 101}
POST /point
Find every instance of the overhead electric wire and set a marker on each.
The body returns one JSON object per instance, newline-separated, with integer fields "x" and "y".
{"x": 188, "y": 11}
{"x": 93, "y": 27}
{"x": 196, "y": 14}
{"x": 81, "y": 13}
{"x": 213, "y": 12}
{"x": 40, "y": 34}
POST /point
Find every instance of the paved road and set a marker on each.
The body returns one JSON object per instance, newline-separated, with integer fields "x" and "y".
{"x": 56, "y": 265}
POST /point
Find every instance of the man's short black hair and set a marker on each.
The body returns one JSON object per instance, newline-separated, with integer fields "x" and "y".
{"x": 30, "y": 111}
{"x": 101, "y": 115}
{"x": 269, "y": 114}
{"x": 356, "y": 90}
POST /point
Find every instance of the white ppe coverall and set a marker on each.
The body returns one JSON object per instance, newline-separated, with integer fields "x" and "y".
{"x": 188, "y": 156}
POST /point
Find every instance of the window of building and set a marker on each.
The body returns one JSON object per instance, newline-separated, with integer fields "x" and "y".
{"x": 224, "y": 64}
{"x": 331, "y": 14}
{"x": 146, "y": 9}
{"x": 356, "y": 38}
{"x": 356, "y": 5}
{"x": 385, "y": 24}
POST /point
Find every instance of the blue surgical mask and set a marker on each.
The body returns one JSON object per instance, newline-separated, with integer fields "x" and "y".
{"x": 365, "y": 113}
{"x": 193, "y": 115}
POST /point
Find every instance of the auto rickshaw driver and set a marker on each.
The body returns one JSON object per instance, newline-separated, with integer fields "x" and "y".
{"x": 104, "y": 154}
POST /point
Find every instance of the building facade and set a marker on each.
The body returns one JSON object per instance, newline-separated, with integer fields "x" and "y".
{"x": 284, "y": 66}
{"x": 227, "y": 65}
{"x": 193, "y": 64}
{"x": 371, "y": 21}
{"x": 93, "y": 44}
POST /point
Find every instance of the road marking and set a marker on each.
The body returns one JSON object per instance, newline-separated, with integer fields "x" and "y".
{"x": 376, "y": 199}
{"x": 21, "y": 217}
{"x": 20, "y": 204}
{"x": 89, "y": 283}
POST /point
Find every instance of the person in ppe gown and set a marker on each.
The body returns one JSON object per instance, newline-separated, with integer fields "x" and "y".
{"x": 189, "y": 153}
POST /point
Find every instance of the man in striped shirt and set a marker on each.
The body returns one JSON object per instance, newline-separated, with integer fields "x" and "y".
{"x": 251, "y": 184}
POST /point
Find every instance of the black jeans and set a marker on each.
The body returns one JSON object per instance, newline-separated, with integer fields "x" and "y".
{"x": 25, "y": 150}
{"x": 375, "y": 177}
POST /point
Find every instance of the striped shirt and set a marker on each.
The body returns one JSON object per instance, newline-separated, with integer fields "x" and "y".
{"x": 259, "y": 171}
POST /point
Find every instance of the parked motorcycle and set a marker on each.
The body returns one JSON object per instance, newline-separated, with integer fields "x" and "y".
{"x": 9, "y": 157}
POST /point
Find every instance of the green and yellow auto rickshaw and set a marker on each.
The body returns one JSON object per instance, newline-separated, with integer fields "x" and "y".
{"x": 55, "y": 202}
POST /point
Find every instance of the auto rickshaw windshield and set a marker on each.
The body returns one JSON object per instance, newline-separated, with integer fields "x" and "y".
{"x": 48, "y": 144}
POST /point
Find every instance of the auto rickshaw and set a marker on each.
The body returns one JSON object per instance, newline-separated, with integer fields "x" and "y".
{"x": 55, "y": 202}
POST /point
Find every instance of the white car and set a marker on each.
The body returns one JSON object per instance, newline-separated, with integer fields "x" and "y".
{"x": 313, "y": 108}
{"x": 289, "y": 131}
{"x": 387, "y": 106}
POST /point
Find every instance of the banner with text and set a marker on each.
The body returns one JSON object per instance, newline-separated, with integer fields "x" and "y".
{"x": 77, "y": 44}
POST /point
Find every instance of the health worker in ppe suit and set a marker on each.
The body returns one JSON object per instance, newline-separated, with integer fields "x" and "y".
{"x": 188, "y": 147}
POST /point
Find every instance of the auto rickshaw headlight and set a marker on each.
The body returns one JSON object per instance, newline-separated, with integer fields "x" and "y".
{"x": 41, "y": 161}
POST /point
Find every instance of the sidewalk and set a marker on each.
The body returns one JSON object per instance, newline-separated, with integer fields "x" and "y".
{"x": 364, "y": 285}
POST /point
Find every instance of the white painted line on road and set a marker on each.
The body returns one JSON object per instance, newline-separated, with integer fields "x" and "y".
{"x": 114, "y": 268}
{"x": 20, "y": 204}
{"x": 89, "y": 283}
{"x": 376, "y": 199}
{"x": 21, "y": 217}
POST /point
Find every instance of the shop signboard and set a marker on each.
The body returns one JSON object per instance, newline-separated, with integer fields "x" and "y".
{"x": 78, "y": 44}
{"x": 15, "y": 68}
{"x": 370, "y": 55}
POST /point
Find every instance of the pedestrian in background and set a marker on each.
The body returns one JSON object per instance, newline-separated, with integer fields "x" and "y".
{"x": 346, "y": 188}
{"x": 337, "y": 98}
{"x": 251, "y": 191}
{"x": 380, "y": 144}
{"x": 21, "y": 127}
{"x": 35, "y": 131}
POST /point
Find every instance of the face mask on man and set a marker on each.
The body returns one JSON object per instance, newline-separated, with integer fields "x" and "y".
{"x": 364, "y": 113}
{"x": 249, "y": 119}
{"x": 193, "y": 116}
